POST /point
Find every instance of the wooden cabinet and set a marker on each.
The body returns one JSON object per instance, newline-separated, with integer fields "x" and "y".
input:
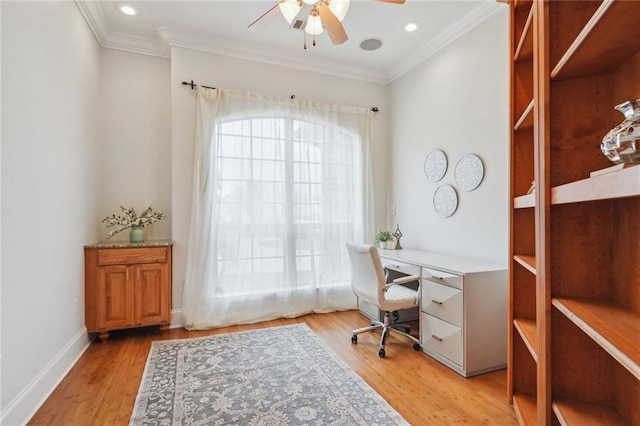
{"x": 127, "y": 285}
{"x": 574, "y": 279}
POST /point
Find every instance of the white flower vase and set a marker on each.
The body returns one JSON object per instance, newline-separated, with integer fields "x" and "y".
{"x": 136, "y": 235}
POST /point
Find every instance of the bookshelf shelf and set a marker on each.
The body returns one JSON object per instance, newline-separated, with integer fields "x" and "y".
{"x": 619, "y": 184}
{"x": 613, "y": 327}
{"x": 525, "y": 408}
{"x": 527, "y": 330}
{"x": 571, "y": 412}
{"x": 592, "y": 52}
{"x": 528, "y": 262}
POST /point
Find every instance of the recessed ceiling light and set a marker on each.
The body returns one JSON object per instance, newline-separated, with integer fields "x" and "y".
{"x": 128, "y": 10}
{"x": 411, "y": 26}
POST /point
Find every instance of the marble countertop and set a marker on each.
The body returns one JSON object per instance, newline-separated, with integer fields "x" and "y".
{"x": 128, "y": 244}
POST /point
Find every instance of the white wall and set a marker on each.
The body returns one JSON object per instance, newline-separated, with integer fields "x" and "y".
{"x": 232, "y": 73}
{"x": 135, "y": 138}
{"x": 456, "y": 101}
{"x": 49, "y": 170}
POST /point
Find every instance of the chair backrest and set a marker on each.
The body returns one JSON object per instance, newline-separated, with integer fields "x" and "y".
{"x": 367, "y": 274}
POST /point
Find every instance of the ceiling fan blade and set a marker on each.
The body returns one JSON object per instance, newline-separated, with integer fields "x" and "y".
{"x": 265, "y": 19}
{"x": 332, "y": 25}
{"x": 392, "y": 1}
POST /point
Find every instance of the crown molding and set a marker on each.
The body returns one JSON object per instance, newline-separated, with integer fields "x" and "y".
{"x": 268, "y": 54}
{"x": 94, "y": 17}
{"x": 161, "y": 47}
{"x": 448, "y": 36}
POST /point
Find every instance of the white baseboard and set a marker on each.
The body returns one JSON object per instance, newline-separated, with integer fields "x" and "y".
{"x": 27, "y": 402}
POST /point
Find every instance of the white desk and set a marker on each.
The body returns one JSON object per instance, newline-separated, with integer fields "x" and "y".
{"x": 463, "y": 308}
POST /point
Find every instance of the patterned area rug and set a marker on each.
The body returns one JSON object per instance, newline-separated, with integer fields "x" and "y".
{"x": 273, "y": 376}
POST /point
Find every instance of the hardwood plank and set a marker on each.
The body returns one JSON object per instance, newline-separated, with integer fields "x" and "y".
{"x": 611, "y": 326}
{"x": 101, "y": 388}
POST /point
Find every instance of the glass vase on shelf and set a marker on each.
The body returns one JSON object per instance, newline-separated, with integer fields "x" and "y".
{"x": 622, "y": 143}
{"x": 136, "y": 235}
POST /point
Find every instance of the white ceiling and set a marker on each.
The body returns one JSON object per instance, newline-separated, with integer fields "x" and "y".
{"x": 221, "y": 27}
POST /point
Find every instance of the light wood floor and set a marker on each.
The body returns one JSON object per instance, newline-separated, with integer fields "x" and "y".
{"x": 101, "y": 388}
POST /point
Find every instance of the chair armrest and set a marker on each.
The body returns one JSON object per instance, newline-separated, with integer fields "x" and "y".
{"x": 401, "y": 280}
{"x": 407, "y": 279}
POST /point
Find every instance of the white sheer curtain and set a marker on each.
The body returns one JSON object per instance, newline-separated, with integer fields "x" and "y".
{"x": 279, "y": 185}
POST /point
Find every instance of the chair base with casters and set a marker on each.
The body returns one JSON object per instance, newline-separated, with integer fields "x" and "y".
{"x": 386, "y": 327}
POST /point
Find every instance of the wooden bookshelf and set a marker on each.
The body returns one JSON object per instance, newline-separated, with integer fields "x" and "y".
{"x": 574, "y": 353}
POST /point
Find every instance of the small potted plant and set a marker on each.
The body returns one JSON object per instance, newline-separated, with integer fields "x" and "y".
{"x": 384, "y": 239}
{"x": 131, "y": 220}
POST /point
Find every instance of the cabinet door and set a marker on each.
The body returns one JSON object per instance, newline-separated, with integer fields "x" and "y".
{"x": 114, "y": 298}
{"x": 151, "y": 294}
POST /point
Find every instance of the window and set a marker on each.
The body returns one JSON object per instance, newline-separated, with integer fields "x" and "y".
{"x": 285, "y": 190}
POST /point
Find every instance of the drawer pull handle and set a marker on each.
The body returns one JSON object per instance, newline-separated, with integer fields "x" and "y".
{"x": 436, "y": 301}
{"x": 439, "y": 339}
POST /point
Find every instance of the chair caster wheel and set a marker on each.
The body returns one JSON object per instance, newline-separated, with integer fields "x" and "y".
{"x": 354, "y": 339}
{"x": 416, "y": 347}
{"x": 381, "y": 353}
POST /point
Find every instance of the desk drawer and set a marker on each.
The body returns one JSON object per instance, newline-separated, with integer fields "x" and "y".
{"x": 441, "y": 277}
{"x": 404, "y": 268}
{"x": 443, "y": 302}
{"x": 441, "y": 337}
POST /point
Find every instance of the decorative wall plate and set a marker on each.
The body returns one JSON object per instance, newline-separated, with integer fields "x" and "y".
{"x": 445, "y": 200}
{"x": 435, "y": 165}
{"x": 469, "y": 172}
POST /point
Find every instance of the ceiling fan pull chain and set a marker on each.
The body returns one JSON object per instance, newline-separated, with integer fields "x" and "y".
{"x": 305, "y": 40}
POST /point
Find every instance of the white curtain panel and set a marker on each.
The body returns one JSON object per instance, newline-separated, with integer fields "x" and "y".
{"x": 279, "y": 185}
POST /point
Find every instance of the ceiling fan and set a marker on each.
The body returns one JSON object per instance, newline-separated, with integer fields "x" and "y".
{"x": 325, "y": 15}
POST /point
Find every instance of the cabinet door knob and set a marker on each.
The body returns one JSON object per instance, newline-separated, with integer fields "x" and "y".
{"x": 439, "y": 339}
{"x": 436, "y": 301}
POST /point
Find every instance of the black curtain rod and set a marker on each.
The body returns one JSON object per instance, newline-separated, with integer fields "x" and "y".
{"x": 193, "y": 86}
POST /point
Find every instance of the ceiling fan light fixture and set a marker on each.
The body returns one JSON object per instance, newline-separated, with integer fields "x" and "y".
{"x": 339, "y": 8}
{"x": 314, "y": 24}
{"x": 290, "y": 9}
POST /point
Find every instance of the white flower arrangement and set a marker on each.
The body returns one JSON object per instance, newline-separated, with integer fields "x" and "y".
{"x": 130, "y": 219}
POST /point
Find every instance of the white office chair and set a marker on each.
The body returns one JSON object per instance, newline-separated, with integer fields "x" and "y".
{"x": 369, "y": 283}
